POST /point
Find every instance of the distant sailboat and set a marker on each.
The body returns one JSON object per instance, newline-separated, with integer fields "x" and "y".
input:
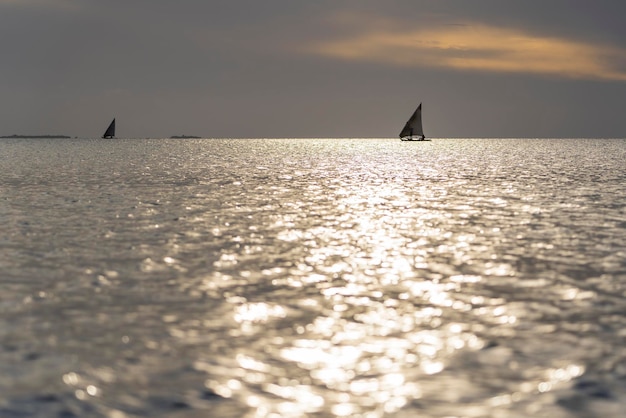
{"x": 110, "y": 132}
{"x": 413, "y": 127}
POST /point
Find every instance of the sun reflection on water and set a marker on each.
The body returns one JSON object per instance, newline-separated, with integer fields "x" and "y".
{"x": 381, "y": 324}
{"x": 296, "y": 278}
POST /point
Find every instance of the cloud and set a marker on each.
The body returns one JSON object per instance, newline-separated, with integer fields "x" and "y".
{"x": 478, "y": 47}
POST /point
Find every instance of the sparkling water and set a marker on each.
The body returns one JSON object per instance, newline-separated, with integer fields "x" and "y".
{"x": 312, "y": 277}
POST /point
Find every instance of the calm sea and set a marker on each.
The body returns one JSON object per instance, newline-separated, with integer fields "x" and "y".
{"x": 312, "y": 277}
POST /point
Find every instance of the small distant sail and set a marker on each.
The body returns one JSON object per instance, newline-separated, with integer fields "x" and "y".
{"x": 413, "y": 127}
{"x": 110, "y": 132}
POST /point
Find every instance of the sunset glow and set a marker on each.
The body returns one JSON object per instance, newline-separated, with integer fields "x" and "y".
{"x": 479, "y": 48}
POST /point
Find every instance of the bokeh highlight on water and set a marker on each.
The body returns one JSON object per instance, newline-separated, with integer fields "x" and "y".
{"x": 312, "y": 277}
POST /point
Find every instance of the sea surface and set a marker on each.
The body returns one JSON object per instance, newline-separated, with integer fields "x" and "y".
{"x": 312, "y": 278}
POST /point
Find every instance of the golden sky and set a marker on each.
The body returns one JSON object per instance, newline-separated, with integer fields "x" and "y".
{"x": 479, "y": 47}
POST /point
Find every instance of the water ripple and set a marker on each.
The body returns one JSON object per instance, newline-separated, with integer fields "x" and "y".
{"x": 297, "y": 277}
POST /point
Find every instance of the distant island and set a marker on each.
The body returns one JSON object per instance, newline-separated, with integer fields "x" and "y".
{"x": 35, "y": 136}
{"x": 184, "y": 137}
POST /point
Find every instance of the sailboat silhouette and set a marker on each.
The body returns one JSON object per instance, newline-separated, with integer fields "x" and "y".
{"x": 110, "y": 132}
{"x": 413, "y": 127}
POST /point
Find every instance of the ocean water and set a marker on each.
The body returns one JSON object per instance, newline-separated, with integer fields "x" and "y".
{"x": 312, "y": 278}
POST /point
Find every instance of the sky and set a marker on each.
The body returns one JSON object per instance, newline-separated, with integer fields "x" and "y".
{"x": 323, "y": 68}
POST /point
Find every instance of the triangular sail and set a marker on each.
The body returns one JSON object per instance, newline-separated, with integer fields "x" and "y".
{"x": 413, "y": 126}
{"x": 110, "y": 132}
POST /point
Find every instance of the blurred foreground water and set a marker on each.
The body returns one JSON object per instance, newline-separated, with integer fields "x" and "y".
{"x": 304, "y": 277}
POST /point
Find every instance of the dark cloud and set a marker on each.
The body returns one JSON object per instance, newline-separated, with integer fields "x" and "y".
{"x": 244, "y": 68}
